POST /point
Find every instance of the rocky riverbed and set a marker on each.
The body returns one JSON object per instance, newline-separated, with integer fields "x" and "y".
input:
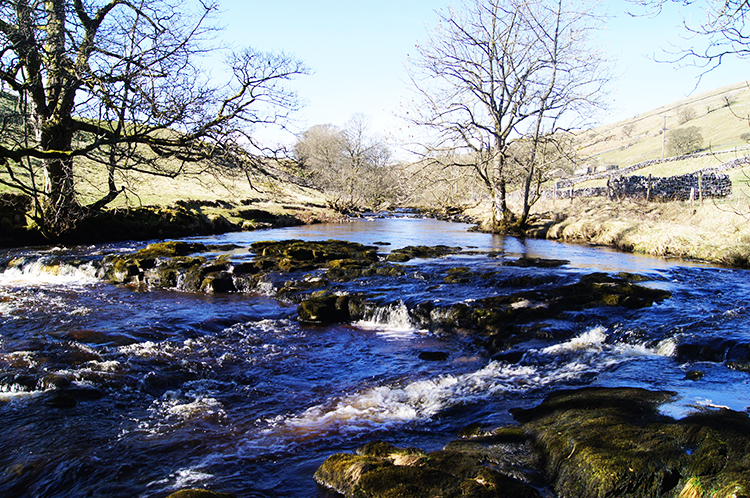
{"x": 521, "y": 316}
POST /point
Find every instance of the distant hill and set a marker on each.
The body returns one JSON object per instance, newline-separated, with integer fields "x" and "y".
{"x": 720, "y": 114}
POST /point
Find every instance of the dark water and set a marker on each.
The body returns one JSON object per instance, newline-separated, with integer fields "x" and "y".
{"x": 231, "y": 393}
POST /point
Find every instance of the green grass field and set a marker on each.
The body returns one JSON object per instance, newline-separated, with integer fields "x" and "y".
{"x": 721, "y": 115}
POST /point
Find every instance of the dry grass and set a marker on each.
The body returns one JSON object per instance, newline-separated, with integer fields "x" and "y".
{"x": 713, "y": 232}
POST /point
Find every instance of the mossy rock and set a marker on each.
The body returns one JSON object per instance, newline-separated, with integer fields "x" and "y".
{"x": 584, "y": 443}
{"x": 613, "y": 442}
{"x": 296, "y": 255}
{"x": 458, "y": 275}
{"x": 199, "y": 493}
{"x": 217, "y": 282}
{"x": 324, "y": 309}
{"x": 424, "y": 252}
{"x": 381, "y": 470}
{"x": 169, "y": 249}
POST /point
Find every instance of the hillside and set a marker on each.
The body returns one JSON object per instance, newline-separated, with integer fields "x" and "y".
{"x": 718, "y": 114}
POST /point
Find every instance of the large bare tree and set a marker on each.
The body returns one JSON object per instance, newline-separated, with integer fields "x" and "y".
{"x": 118, "y": 84}
{"x": 499, "y": 71}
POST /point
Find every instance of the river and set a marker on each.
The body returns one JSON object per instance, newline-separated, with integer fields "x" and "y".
{"x": 168, "y": 389}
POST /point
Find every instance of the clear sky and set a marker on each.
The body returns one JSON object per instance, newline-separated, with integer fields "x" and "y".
{"x": 358, "y": 49}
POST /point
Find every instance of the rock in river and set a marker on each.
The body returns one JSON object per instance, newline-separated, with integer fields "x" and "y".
{"x": 585, "y": 443}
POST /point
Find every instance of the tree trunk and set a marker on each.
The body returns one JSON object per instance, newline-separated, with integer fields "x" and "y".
{"x": 60, "y": 207}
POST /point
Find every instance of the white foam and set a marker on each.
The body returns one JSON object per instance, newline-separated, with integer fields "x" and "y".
{"x": 12, "y": 392}
{"x": 421, "y": 400}
{"x": 182, "y": 479}
{"x": 592, "y": 340}
{"x": 46, "y": 271}
{"x": 391, "y": 322}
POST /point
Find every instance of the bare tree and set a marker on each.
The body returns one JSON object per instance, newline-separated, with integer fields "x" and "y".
{"x": 499, "y": 71}
{"x": 722, "y": 32}
{"x": 348, "y": 164}
{"x": 117, "y": 84}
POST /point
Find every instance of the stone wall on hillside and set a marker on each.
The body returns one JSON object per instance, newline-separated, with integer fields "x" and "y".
{"x": 707, "y": 182}
{"x": 673, "y": 188}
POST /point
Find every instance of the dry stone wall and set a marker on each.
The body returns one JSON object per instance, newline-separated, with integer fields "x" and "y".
{"x": 673, "y": 188}
{"x": 707, "y": 183}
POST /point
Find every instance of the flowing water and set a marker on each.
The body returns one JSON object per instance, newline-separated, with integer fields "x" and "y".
{"x": 230, "y": 392}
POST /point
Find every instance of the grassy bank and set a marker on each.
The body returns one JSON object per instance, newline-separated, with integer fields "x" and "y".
{"x": 194, "y": 203}
{"x": 716, "y": 232}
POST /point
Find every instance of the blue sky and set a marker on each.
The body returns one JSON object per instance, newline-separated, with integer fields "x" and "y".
{"x": 357, "y": 51}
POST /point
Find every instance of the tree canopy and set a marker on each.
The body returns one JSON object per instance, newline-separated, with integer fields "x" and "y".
{"x": 119, "y": 85}
{"x": 348, "y": 164}
{"x": 500, "y": 71}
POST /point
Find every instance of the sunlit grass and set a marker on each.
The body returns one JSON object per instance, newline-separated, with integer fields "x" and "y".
{"x": 714, "y": 231}
{"x": 640, "y": 138}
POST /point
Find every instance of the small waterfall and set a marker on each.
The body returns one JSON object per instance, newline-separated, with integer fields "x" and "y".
{"x": 47, "y": 270}
{"x": 392, "y": 321}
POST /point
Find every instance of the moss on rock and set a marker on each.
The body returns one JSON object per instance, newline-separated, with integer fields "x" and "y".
{"x": 410, "y": 252}
{"x": 381, "y": 470}
{"x": 199, "y": 493}
{"x": 324, "y": 308}
{"x": 584, "y": 443}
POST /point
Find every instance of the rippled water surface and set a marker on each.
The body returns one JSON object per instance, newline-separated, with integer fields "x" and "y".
{"x": 167, "y": 389}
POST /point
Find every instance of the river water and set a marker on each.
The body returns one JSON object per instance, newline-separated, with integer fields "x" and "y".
{"x": 230, "y": 392}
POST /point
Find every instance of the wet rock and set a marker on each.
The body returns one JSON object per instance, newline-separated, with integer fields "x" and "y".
{"x": 54, "y": 381}
{"x": 584, "y": 443}
{"x": 291, "y": 255}
{"x": 157, "y": 265}
{"x": 613, "y": 442}
{"x": 199, "y": 493}
{"x": 217, "y": 282}
{"x": 381, "y": 470}
{"x": 526, "y": 262}
{"x": 458, "y": 275}
{"x": 507, "y": 320}
{"x": 411, "y": 252}
{"x": 732, "y": 351}
{"x": 694, "y": 375}
{"x": 433, "y": 355}
{"x": 168, "y": 249}
{"x": 324, "y": 309}
{"x": 741, "y": 366}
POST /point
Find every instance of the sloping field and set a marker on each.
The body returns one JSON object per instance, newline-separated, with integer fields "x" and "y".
{"x": 722, "y": 115}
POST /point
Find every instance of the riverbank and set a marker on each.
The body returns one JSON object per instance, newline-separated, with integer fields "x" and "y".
{"x": 717, "y": 233}
{"x": 175, "y": 219}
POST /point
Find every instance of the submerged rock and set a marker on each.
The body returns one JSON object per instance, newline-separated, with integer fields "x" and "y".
{"x": 585, "y": 443}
